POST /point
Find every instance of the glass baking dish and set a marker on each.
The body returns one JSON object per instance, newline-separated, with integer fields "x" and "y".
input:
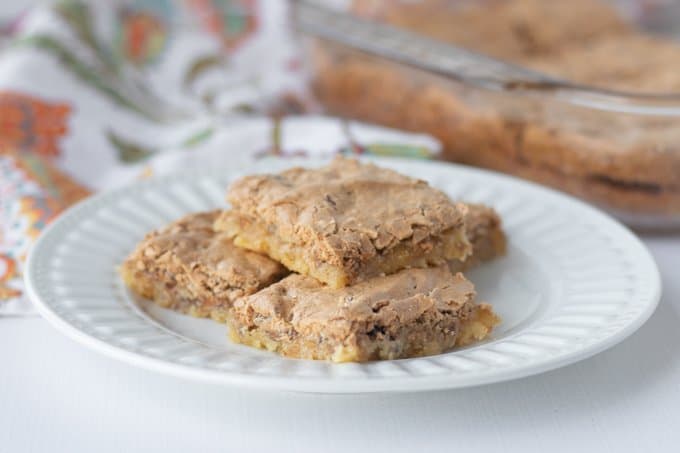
{"x": 611, "y": 136}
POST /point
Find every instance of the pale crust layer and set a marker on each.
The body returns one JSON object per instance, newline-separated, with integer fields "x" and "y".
{"x": 188, "y": 267}
{"x": 412, "y": 313}
{"x": 345, "y": 222}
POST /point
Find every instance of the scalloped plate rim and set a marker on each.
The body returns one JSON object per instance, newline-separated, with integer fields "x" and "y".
{"x": 312, "y": 384}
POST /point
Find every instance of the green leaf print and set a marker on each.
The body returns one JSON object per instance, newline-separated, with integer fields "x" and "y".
{"x": 131, "y": 153}
{"x": 199, "y": 66}
{"x": 197, "y": 138}
{"x": 77, "y": 15}
{"x": 128, "y": 152}
{"x": 87, "y": 74}
{"x": 398, "y": 150}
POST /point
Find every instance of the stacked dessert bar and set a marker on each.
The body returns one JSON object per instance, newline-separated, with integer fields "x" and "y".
{"x": 348, "y": 262}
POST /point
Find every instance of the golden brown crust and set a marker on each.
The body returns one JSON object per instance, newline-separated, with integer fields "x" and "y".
{"x": 628, "y": 164}
{"x": 345, "y": 219}
{"x": 623, "y": 162}
{"x": 414, "y": 312}
{"x": 649, "y": 63}
{"x": 188, "y": 267}
{"x": 508, "y": 29}
{"x": 484, "y": 231}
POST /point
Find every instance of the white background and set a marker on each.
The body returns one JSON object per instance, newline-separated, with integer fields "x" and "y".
{"x": 57, "y": 396}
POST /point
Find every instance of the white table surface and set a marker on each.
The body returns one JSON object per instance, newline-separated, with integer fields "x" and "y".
{"x": 56, "y": 395}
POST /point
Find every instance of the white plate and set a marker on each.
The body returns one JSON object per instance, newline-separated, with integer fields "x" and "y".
{"x": 574, "y": 283}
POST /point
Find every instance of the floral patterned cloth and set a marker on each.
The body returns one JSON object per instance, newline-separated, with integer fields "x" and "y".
{"x": 97, "y": 97}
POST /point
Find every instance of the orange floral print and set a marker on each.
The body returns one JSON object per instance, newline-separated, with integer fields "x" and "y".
{"x": 60, "y": 190}
{"x": 7, "y": 293}
{"x": 8, "y": 268}
{"x": 57, "y": 191}
{"x": 143, "y": 36}
{"x": 231, "y": 21}
{"x": 29, "y": 124}
{"x": 7, "y": 272}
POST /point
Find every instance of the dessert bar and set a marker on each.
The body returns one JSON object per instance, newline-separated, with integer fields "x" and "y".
{"x": 345, "y": 222}
{"x": 414, "y": 312}
{"x": 190, "y": 268}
